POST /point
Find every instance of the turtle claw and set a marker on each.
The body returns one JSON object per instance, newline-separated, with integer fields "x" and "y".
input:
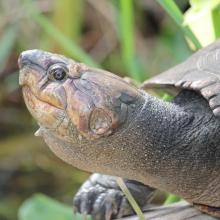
{"x": 101, "y": 203}
{"x": 101, "y": 197}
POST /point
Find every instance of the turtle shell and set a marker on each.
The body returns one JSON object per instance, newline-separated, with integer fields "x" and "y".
{"x": 200, "y": 72}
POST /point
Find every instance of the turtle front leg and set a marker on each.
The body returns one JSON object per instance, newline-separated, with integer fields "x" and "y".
{"x": 101, "y": 197}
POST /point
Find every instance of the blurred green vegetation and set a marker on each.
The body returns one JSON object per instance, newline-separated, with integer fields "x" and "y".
{"x": 136, "y": 38}
{"x": 44, "y": 208}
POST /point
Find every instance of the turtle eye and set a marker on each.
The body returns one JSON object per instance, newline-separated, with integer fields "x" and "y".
{"x": 57, "y": 72}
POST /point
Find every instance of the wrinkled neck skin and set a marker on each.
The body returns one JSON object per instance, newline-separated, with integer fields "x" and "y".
{"x": 161, "y": 145}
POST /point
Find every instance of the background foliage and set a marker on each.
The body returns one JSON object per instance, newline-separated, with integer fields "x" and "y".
{"x": 136, "y": 38}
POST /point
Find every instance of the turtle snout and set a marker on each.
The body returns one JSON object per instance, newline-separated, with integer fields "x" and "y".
{"x": 23, "y": 60}
{"x": 29, "y": 63}
{"x": 27, "y": 57}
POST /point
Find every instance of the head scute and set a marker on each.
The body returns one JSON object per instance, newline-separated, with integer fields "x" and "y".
{"x": 76, "y": 70}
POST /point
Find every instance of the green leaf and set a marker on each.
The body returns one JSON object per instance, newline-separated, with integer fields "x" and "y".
{"x": 173, "y": 10}
{"x": 204, "y": 14}
{"x": 203, "y": 4}
{"x": 167, "y": 97}
{"x": 41, "y": 207}
{"x": 171, "y": 199}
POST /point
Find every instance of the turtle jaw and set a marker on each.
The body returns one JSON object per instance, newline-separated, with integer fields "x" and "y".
{"x": 45, "y": 114}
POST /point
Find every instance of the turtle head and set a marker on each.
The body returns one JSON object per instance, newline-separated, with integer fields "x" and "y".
{"x": 67, "y": 97}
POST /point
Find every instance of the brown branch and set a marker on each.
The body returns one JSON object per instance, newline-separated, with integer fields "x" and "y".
{"x": 178, "y": 211}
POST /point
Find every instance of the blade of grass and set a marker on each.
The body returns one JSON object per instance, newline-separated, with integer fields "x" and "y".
{"x": 71, "y": 13}
{"x": 130, "y": 198}
{"x": 126, "y": 17}
{"x": 7, "y": 42}
{"x": 68, "y": 45}
{"x": 173, "y": 10}
{"x": 70, "y": 25}
{"x": 127, "y": 31}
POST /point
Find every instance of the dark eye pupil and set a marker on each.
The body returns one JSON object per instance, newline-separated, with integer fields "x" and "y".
{"x": 59, "y": 74}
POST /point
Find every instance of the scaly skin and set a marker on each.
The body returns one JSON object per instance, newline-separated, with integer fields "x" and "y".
{"x": 97, "y": 122}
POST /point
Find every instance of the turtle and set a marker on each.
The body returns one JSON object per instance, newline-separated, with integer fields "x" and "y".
{"x": 97, "y": 122}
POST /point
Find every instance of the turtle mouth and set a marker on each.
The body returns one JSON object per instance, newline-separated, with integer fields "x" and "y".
{"x": 46, "y": 114}
{"x": 27, "y": 91}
